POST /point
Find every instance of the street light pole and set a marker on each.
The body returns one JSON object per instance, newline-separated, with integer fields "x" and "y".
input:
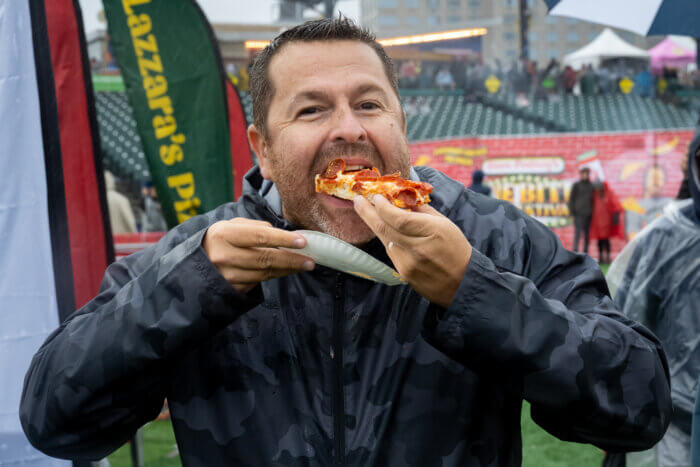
{"x": 524, "y": 17}
{"x": 329, "y": 8}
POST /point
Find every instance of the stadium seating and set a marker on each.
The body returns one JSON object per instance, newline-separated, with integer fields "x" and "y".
{"x": 444, "y": 115}
{"x": 121, "y": 146}
{"x": 609, "y": 112}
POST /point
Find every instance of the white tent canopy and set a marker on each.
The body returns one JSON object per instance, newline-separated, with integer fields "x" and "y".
{"x": 606, "y": 45}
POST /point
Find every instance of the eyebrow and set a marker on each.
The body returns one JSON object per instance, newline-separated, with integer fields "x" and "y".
{"x": 323, "y": 96}
{"x": 367, "y": 88}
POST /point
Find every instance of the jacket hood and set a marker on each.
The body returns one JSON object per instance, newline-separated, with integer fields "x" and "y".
{"x": 694, "y": 178}
{"x": 477, "y": 177}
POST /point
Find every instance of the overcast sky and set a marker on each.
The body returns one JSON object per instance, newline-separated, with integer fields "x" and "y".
{"x": 220, "y": 11}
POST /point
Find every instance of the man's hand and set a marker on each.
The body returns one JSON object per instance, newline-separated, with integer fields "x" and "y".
{"x": 428, "y": 250}
{"x": 245, "y": 252}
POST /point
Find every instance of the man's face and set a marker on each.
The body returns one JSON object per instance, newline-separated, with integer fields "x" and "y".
{"x": 584, "y": 175}
{"x": 331, "y": 100}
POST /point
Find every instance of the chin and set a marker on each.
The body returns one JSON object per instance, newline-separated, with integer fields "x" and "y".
{"x": 347, "y": 226}
{"x": 356, "y": 237}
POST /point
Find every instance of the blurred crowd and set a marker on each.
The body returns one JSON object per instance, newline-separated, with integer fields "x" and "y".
{"x": 131, "y": 209}
{"x": 530, "y": 79}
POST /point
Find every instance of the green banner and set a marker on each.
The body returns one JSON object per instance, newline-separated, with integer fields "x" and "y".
{"x": 172, "y": 72}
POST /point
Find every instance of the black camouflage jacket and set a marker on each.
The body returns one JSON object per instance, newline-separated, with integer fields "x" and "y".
{"x": 322, "y": 368}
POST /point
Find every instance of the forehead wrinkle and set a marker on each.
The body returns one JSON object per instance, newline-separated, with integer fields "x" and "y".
{"x": 309, "y": 95}
{"x": 367, "y": 88}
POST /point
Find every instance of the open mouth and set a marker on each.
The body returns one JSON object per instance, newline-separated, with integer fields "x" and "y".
{"x": 343, "y": 165}
{"x": 355, "y": 168}
{"x": 340, "y": 175}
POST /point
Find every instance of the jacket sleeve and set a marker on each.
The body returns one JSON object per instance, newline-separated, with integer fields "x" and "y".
{"x": 104, "y": 372}
{"x": 547, "y": 329}
{"x": 641, "y": 292}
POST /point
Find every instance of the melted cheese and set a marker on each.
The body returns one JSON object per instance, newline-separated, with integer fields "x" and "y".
{"x": 342, "y": 187}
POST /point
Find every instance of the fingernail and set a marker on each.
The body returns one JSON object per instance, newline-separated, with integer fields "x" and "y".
{"x": 308, "y": 265}
{"x": 376, "y": 198}
{"x": 356, "y": 199}
{"x": 299, "y": 242}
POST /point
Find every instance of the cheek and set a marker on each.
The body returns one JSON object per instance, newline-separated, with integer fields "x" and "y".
{"x": 391, "y": 143}
{"x": 296, "y": 152}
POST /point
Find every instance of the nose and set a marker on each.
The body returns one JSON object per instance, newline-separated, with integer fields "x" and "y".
{"x": 347, "y": 127}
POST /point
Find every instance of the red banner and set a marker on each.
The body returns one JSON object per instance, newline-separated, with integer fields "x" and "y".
{"x": 536, "y": 173}
{"x": 80, "y": 167}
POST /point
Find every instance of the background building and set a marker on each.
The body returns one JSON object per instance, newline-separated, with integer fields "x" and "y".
{"x": 549, "y": 36}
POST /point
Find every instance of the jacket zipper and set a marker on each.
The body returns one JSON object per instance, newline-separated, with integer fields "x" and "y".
{"x": 338, "y": 397}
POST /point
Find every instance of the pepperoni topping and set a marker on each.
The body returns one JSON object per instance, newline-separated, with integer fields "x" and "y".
{"x": 336, "y": 165}
{"x": 391, "y": 177}
{"x": 366, "y": 174}
{"x": 357, "y": 187}
{"x": 422, "y": 187}
{"x": 408, "y": 197}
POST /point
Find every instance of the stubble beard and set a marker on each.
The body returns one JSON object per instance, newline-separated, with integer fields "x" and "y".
{"x": 302, "y": 206}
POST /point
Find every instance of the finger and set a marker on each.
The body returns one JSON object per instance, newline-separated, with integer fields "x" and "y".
{"x": 428, "y": 209}
{"x": 369, "y": 215}
{"x": 245, "y": 220}
{"x": 270, "y": 258}
{"x": 249, "y": 235}
{"x": 399, "y": 256}
{"x": 408, "y": 223}
{"x": 248, "y": 276}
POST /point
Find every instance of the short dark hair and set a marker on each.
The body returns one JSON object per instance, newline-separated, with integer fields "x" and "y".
{"x": 327, "y": 29}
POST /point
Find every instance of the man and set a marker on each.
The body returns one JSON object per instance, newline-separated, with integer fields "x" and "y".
{"x": 478, "y": 183}
{"x": 121, "y": 216}
{"x": 656, "y": 280}
{"x": 268, "y": 360}
{"x": 581, "y": 208}
{"x": 683, "y": 189}
{"x": 444, "y": 80}
{"x": 152, "y": 220}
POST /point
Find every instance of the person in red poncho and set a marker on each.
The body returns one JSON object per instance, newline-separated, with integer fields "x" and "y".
{"x": 607, "y": 220}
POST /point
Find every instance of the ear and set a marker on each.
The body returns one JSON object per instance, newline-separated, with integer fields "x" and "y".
{"x": 260, "y": 147}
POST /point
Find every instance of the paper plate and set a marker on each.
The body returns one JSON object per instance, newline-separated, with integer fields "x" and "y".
{"x": 334, "y": 253}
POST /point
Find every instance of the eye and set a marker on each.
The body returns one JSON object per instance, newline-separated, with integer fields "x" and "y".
{"x": 308, "y": 111}
{"x": 369, "y": 106}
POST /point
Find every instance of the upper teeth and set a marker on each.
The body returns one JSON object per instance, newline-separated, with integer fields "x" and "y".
{"x": 354, "y": 167}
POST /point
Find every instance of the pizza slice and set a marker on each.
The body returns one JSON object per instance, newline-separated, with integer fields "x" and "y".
{"x": 346, "y": 184}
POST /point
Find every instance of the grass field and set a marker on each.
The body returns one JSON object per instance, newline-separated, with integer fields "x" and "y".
{"x": 540, "y": 449}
